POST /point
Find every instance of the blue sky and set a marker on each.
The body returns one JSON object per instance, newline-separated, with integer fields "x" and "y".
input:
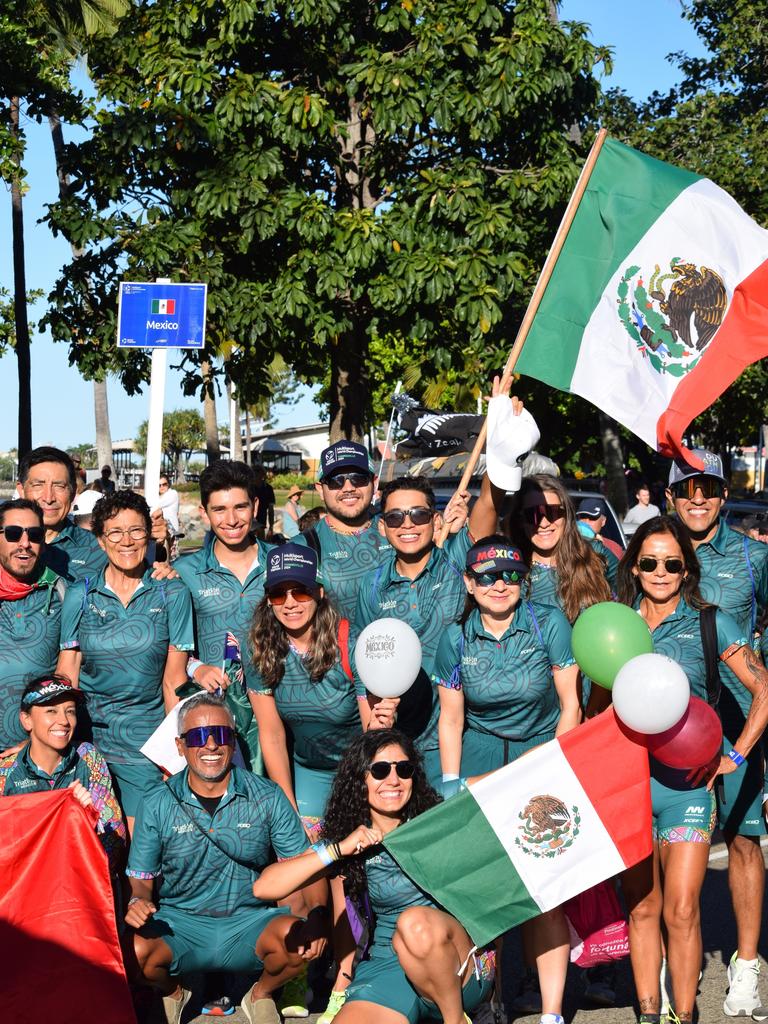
{"x": 62, "y": 401}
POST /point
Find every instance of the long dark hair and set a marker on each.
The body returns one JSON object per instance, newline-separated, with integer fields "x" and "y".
{"x": 629, "y": 585}
{"x": 270, "y": 642}
{"x": 580, "y": 569}
{"x": 347, "y": 806}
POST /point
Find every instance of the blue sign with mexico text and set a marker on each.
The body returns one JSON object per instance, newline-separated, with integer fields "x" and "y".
{"x": 161, "y": 315}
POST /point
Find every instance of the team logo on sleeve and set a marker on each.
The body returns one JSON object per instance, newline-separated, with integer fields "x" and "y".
{"x": 548, "y": 827}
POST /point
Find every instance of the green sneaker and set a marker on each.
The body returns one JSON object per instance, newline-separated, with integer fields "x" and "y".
{"x": 295, "y": 996}
{"x": 335, "y": 1003}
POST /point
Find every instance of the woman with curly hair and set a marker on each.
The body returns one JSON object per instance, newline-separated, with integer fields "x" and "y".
{"x": 422, "y": 963}
{"x": 659, "y": 576}
{"x": 566, "y": 569}
{"x": 302, "y": 688}
{"x": 125, "y": 640}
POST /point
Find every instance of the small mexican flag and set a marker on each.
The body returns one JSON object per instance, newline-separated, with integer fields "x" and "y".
{"x": 557, "y": 821}
{"x": 658, "y": 299}
{"x": 165, "y": 307}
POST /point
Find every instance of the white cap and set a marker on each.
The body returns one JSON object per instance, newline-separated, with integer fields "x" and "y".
{"x": 85, "y": 503}
{"x": 510, "y": 438}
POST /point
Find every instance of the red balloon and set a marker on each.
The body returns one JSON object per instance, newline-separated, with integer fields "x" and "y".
{"x": 693, "y": 741}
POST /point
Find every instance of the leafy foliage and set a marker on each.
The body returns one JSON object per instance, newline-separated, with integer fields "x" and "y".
{"x": 183, "y": 433}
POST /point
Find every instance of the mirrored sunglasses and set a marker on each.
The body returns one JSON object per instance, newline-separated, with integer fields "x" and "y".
{"x": 709, "y": 486}
{"x": 418, "y": 516}
{"x": 223, "y": 735}
{"x": 487, "y": 579}
{"x": 381, "y": 769}
{"x": 13, "y": 534}
{"x": 536, "y": 514}
{"x": 648, "y": 564}
{"x": 336, "y": 482}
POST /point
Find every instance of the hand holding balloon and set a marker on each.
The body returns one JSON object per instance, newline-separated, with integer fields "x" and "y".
{"x": 388, "y": 657}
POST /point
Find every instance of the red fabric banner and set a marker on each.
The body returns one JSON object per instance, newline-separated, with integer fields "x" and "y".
{"x": 60, "y": 958}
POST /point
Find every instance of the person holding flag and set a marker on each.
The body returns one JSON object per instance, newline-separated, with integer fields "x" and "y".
{"x": 226, "y": 581}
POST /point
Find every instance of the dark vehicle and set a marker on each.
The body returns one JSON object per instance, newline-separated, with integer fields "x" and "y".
{"x": 736, "y": 511}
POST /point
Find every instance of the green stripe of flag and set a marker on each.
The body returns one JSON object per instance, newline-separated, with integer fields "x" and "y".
{"x": 627, "y": 192}
{"x": 478, "y": 897}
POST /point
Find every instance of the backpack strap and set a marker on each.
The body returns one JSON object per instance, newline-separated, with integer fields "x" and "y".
{"x": 313, "y": 541}
{"x": 343, "y": 638}
{"x": 455, "y": 679}
{"x": 375, "y": 583}
{"x": 753, "y": 616}
{"x": 708, "y": 629}
{"x": 84, "y": 604}
{"x": 535, "y": 622}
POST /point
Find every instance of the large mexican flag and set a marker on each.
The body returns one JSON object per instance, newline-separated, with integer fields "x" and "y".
{"x": 526, "y": 838}
{"x": 658, "y": 300}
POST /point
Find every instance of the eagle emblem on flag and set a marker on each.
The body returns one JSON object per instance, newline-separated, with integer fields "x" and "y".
{"x": 548, "y": 828}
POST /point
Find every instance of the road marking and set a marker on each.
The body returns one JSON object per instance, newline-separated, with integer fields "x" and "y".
{"x": 721, "y": 852}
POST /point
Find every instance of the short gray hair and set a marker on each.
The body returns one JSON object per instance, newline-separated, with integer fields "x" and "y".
{"x": 204, "y": 699}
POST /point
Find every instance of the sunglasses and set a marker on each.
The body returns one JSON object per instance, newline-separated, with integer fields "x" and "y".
{"x": 300, "y": 594}
{"x": 648, "y": 564}
{"x": 381, "y": 769}
{"x": 418, "y": 516}
{"x": 223, "y": 735}
{"x": 14, "y": 534}
{"x": 535, "y": 514}
{"x": 487, "y": 579}
{"x": 709, "y": 486}
{"x": 336, "y": 482}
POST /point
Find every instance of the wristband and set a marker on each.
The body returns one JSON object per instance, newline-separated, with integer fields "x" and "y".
{"x": 736, "y": 757}
{"x": 323, "y": 853}
{"x": 192, "y": 666}
{"x": 449, "y": 777}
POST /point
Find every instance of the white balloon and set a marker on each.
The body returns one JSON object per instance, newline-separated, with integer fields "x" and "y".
{"x": 388, "y": 657}
{"x": 651, "y": 693}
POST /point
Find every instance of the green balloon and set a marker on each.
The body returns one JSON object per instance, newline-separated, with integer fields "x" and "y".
{"x": 607, "y": 636}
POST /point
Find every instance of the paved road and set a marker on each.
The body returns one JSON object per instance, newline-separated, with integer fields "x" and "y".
{"x": 719, "y": 942}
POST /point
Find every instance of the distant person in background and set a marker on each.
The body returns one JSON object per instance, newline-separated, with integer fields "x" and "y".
{"x": 81, "y": 479}
{"x": 292, "y": 512}
{"x": 592, "y": 516}
{"x": 642, "y": 511}
{"x": 311, "y": 518}
{"x": 265, "y": 513}
{"x": 107, "y": 483}
{"x": 82, "y": 508}
{"x": 169, "y": 503}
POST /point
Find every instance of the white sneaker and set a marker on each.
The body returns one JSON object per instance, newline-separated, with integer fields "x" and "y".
{"x": 665, "y": 986}
{"x": 743, "y": 996}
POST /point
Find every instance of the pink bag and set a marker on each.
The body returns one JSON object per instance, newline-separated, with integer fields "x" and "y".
{"x": 598, "y": 929}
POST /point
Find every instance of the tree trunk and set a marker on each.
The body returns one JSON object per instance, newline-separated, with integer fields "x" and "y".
{"x": 209, "y": 412}
{"x": 103, "y": 433}
{"x": 614, "y": 465}
{"x": 349, "y": 386}
{"x": 21, "y": 321}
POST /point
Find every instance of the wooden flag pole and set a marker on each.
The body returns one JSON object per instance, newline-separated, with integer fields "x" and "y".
{"x": 533, "y": 305}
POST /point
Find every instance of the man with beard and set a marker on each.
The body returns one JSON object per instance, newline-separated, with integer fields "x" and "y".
{"x": 30, "y": 611}
{"x": 734, "y": 576}
{"x": 200, "y": 842}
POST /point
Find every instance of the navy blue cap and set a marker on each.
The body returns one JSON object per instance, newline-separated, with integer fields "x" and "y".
{"x": 292, "y": 563}
{"x": 344, "y": 456}
{"x": 591, "y": 508}
{"x": 495, "y": 557}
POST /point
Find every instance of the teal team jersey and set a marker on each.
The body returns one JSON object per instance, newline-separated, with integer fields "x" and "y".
{"x": 253, "y": 819}
{"x": 29, "y": 647}
{"x": 345, "y": 558}
{"x": 321, "y": 716}
{"x": 544, "y": 580}
{"x": 507, "y": 683}
{"x": 734, "y": 576}
{"x": 74, "y": 554}
{"x": 390, "y": 892}
{"x": 124, "y": 651}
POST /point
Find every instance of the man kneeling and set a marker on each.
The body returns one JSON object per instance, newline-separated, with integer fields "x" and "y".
{"x": 206, "y": 835}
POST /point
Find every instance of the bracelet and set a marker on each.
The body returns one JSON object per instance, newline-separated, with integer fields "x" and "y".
{"x": 192, "y": 666}
{"x": 324, "y": 853}
{"x": 134, "y": 899}
{"x": 737, "y": 758}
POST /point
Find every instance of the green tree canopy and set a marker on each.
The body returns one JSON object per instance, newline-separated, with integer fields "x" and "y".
{"x": 183, "y": 433}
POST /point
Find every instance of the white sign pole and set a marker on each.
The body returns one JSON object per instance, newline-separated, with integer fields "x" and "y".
{"x": 155, "y": 425}
{"x": 234, "y": 424}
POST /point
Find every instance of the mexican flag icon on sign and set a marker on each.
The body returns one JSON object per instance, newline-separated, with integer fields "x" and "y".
{"x": 165, "y": 307}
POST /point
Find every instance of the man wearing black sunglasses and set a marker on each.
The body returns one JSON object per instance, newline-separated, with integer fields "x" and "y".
{"x": 207, "y": 834}
{"x": 30, "y": 611}
{"x": 734, "y": 576}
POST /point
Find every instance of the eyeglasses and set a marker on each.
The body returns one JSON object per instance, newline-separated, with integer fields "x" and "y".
{"x": 709, "y": 486}
{"x": 381, "y": 769}
{"x": 535, "y": 514}
{"x": 13, "y": 534}
{"x": 223, "y": 735}
{"x": 648, "y": 563}
{"x": 134, "y": 532}
{"x": 487, "y": 579}
{"x": 336, "y": 482}
{"x": 300, "y": 594}
{"x": 418, "y": 516}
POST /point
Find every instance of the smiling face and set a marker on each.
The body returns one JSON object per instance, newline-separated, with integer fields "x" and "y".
{"x": 498, "y": 601}
{"x": 230, "y": 515}
{"x": 20, "y": 558}
{"x": 295, "y": 616}
{"x": 389, "y": 796}
{"x": 408, "y": 540}
{"x": 211, "y": 763}
{"x": 50, "y": 726}
{"x": 350, "y": 505}
{"x": 125, "y": 540}
{"x": 545, "y": 533}
{"x": 659, "y": 585}
{"x": 699, "y": 514}
{"x": 48, "y": 484}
